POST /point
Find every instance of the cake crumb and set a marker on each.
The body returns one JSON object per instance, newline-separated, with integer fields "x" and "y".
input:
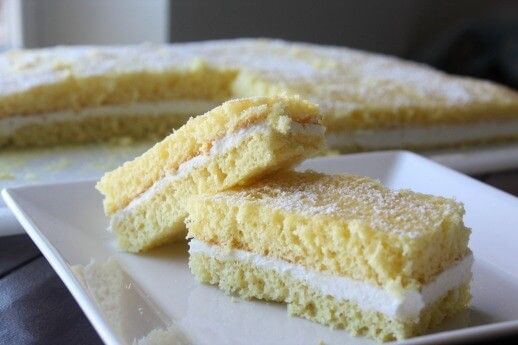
{"x": 332, "y": 153}
{"x": 30, "y": 176}
{"x": 5, "y": 175}
{"x": 58, "y": 165}
{"x": 171, "y": 335}
{"x": 122, "y": 141}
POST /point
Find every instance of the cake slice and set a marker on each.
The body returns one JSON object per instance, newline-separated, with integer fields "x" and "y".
{"x": 230, "y": 145}
{"x": 341, "y": 250}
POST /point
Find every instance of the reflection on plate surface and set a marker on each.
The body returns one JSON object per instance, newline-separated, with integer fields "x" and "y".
{"x": 132, "y": 314}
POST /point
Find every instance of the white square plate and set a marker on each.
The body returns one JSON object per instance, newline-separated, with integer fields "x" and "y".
{"x": 67, "y": 223}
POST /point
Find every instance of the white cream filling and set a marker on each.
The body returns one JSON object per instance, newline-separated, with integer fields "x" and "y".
{"x": 422, "y": 135}
{"x": 144, "y": 109}
{"x": 406, "y": 306}
{"x": 219, "y": 147}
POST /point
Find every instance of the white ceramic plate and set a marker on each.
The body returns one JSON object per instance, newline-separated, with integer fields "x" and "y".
{"x": 67, "y": 223}
{"x": 478, "y": 160}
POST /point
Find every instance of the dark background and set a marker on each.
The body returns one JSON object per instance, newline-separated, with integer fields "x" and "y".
{"x": 469, "y": 37}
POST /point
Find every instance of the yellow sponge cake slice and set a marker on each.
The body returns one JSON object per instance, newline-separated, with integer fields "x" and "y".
{"x": 230, "y": 145}
{"x": 341, "y": 250}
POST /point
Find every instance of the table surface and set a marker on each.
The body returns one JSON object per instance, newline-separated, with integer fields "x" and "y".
{"x": 36, "y": 307}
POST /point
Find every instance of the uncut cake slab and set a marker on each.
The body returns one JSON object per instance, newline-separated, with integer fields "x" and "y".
{"x": 73, "y": 94}
{"x": 168, "y": 297}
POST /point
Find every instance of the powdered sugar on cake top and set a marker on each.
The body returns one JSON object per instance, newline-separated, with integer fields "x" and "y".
{"x": 351, "y": 198}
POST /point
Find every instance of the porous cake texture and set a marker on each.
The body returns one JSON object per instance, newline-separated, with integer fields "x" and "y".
{"x": 341, "y": 250}
{"x": 368, "y": 101}
{"x": 247, "y": 281}
{"x": 233, "y": 144}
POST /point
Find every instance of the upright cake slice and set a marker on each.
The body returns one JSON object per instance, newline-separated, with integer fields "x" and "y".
{"x": 232, "y": 144}
{"x": 340, "y": 250}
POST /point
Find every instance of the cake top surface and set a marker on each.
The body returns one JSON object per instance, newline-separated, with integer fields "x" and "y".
{"x": 338, "y": 79}
{"x": 348, "y": 197}
{"x": 200, "y": 134}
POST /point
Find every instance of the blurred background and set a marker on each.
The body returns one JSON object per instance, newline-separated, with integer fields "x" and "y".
{"x": 469, "y": 37}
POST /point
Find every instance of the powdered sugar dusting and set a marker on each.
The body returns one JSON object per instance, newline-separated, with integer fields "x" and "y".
{"x": 350, "y": 198}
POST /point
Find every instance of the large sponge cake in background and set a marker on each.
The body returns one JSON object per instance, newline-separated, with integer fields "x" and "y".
{"x": 368, "y": 101}
{"x": 233, "y": 144}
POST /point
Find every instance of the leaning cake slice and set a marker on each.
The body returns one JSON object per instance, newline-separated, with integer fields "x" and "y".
{"x": 233, "y": 144}
{"x": 340, "y": 250}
